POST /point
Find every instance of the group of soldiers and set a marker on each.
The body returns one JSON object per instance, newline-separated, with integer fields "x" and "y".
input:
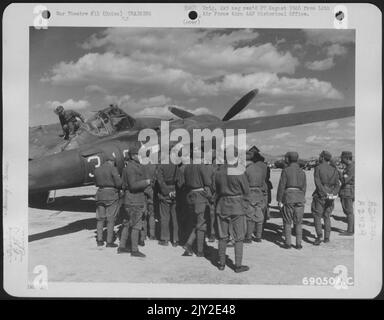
{"x": 199, "y": 201}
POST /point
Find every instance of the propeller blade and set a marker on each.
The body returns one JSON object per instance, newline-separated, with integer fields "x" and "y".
{"x": 240, "y": 105}
{"x": 183, "y": 114}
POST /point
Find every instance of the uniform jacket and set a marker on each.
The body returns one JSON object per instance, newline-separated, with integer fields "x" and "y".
{"x": 150, "y": 173}
{"x": 256, "y": 176}
{"x": 347, "y": 178}
{"x": 107, "y": 176}
{"x": 166, "y": 176}
{"x": 326, "y": 180}
{"x": 292, "y": 185}
{"x": 198, "y": 176}
{"x": 231, "y": 192}
{"x": 134, "y": 183}
{"x": 69, "y": 116}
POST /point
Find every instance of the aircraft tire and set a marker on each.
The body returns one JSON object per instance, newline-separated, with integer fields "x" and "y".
{"x": 38, "y": 200}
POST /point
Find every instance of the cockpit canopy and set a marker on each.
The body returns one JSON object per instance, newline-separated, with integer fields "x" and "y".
{"x": 109, "y": 121}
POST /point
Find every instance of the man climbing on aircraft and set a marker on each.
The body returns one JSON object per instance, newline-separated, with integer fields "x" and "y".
{"x": 68, "y": 121}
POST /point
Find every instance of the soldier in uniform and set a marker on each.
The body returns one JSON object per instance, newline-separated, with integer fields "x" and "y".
{"x": 347, "y": 191}
{"x": 166, "y": 179}
{"x": 327, "y": 187}
{"x": 134, "y": 184}
{"x": 212, "y": 202}
{"x": 291, "y": 198}
{"x": 108, "y": 181}
{"x": 256, "y": 179}
{"x": 259, "y": 161}
{"x": 232, "y": 193}
{"x": 149, "y": 226}
{"x": 268, "y": 193}
{"x": 198, "y": 183}
{"x": 68, "y": 121}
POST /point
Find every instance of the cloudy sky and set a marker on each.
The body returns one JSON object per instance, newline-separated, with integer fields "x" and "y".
{"x": 145, "y": 70}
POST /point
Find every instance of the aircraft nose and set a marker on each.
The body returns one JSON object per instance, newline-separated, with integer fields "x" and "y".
{"x": 57, "y": 171}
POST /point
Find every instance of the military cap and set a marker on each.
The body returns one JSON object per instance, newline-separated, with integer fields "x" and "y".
{"x": 59, "y": 109}
{"x": 346, "y": 154}
{"x": 292, "y": 156}
{"x": 326, "y": 155}
{"x": 250, "y": 154}
{"x": 109, "y": 157}
{"x": 254, "y": 149}
{"x": 235, "y": 152}
{"x": 134, "y": 149}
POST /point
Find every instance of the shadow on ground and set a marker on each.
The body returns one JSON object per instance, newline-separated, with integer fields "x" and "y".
{"x": 85, "y": 224}
{"x": 78, "y": 203}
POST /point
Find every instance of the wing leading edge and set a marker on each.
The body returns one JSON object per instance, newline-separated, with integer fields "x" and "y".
{"x": 288, "y": 120}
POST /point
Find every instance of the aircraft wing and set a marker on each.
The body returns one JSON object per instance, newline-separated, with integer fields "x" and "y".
{"x": 43, "y": 138}
{"x": 288, "y": 120}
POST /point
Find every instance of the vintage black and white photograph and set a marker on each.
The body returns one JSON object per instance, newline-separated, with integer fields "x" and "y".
{"x": 98, "y": 215}
{"x": 194, "y": 155}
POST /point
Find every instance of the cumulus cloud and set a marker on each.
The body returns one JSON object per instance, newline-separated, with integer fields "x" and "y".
{"x": 69, "y": 104}
{"x": 204, "y": 52}
{"x": 271, "y": 84}
{"x": 332, "y": 51}
{"x": 95, "y": 89}
{"x": 321, "y": 65}
{"x": 336, "y": 49}
{"x": 159, "y": 112}
{"x": 281, "y": 135}
{"x": 321, "y": 36}
{"x": 332, "y": 125}
{"x": 250, "y": 113}
{"x": 130, "y": 104}
{"x": 315, "y": 139}
{"x": 112, "y": 68}
{"x": 285, "y": 110}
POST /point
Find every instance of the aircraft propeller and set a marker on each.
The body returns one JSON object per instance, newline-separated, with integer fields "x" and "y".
{"x": 240, "y": 105}
{"x": 235, "y": 109}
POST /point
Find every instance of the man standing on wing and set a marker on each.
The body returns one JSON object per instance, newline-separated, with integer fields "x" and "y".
{"x": 327, "y": 184}
{"x": 291, "y": 198}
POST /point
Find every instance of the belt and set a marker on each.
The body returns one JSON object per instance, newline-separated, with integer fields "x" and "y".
{"x": 197, "y": 189}
{"x": 113, "y": 188}
{"x": 230, "y": 196}
{"x": 254, "y": 188}
{"x": 293, "y": 188}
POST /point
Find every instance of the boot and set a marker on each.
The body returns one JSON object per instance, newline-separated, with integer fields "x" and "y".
{"x": 123, "y": 250}
{"x": 137, "y": 254}
{"x": 239, "y": 269}
{"x": 317, "y": 241}
{"x": 188, "y": 250}
{"x": 111, "y": 245}
{"x": 163, "y": 242}
{"x": 100, "y": 243}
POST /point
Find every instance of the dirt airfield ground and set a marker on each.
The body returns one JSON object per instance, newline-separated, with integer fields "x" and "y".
{"x": 62, "y": 237}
